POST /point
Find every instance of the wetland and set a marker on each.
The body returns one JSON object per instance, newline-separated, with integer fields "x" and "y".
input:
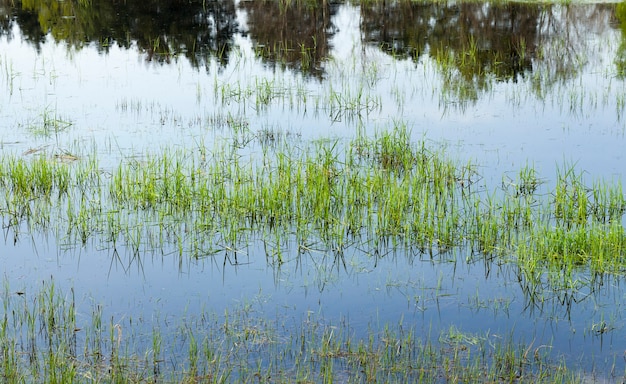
{"x": 307, "y": 191}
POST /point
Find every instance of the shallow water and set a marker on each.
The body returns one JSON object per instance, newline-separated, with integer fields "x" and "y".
{"x": 563, "y": 103}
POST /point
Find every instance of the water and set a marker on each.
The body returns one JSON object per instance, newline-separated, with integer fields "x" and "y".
{"x": 139, "y": 78}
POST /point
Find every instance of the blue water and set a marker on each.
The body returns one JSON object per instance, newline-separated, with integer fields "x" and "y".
{"x": 124, "y": 106}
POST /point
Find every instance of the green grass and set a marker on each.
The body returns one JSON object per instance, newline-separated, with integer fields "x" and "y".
{"x": 43, "y": 340}
{"x": 380, "y": 194}
{"x": 372, "y": 193}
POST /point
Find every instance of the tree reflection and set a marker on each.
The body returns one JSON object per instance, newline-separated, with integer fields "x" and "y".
{"x": 294, "y": 35}
{"x": 11, "y": 16}
{"x": 475, "y": 38}
{"x": 620, "y": 59}
{"x": 162, "y": 29}
{"x": 475, "y": 44}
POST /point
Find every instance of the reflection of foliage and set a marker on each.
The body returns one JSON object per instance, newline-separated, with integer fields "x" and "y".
{"x": 471, "y": 43}
{"x": 401, "y": 28}
{"x": 28, "y": 22}
{"x": 160, "y": 28}
{"x": 476, "y": 43}
{"x": 562, "y": 44}
{"x": 620, "y": 58}
{"x": 293, "y": 34}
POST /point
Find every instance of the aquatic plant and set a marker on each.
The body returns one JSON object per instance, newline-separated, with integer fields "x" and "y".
{"x": 378, "y": 193}
{"x": 43, "y": 340}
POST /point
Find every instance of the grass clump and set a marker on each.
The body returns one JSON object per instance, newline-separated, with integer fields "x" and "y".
{"x": 43, "y": 340}
{"x": 375, "y": 194}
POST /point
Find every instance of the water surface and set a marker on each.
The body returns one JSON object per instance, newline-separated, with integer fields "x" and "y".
{"x": 501, "y": 85}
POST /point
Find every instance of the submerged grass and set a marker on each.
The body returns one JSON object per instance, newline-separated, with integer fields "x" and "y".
{"x": 373, "y": 193}
{"x": 43, "y": 340}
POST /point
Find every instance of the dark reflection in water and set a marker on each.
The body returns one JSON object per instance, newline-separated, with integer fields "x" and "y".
{"x": 472, "y": 43}
{"x": 161, "y": 29}
{"x": 498, "y": 39}
{"x": 620, "y": 21}
{"x": 295, "y": 36}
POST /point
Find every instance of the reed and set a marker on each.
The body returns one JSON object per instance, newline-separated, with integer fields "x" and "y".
{"x": 384, "y": 191}
{"x": 241, "y": 346}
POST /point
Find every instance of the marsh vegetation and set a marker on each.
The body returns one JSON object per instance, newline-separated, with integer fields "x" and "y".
{"x": 303, "y": 192}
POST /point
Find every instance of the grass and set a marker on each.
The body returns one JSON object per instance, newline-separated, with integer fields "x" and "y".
{"x": 375, "y": 195}
{"x": 330, "y": 197}
{"x": 51, "y": 124}
{"x": 43, "y": 340}
{"x": 371, "y": 193}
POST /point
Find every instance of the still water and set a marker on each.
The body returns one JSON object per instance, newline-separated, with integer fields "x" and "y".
{"x": 502, "y": 85}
